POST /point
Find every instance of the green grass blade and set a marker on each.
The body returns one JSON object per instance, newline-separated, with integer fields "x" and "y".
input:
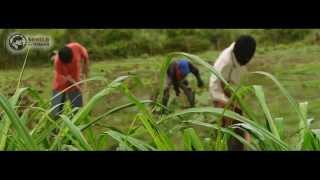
{"x": 69, "y": 148}
{"x": 292, "y": 102}
{"x": 163, "y": 75}
{"x": 305, "y": 137}
{"x": 308, "y": 143}
{"x": 235, "y": 116}
{"x": 84, "y": 111}
{"x": 262, "y": 101}
{"x": 159, "y": 137}
{"x": 15, "y": 120}
{"x": 76, "y": 133}
{"x": 280, "y": 126}
{"x": 224, "y": 130}
{"x": 117, "y": 109}
{"x": 102, "y": 142}
{"x": 192, "y": 141}
{"x": 316, "y": 135}
{"x": 22, "y": 69}
{"x": 6, "y": 123}
{"x": 4, "y": 129}
{"x": 130, "y": 141}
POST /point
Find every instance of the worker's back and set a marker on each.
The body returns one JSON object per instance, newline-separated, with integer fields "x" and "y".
{"x": 71, "y": 69}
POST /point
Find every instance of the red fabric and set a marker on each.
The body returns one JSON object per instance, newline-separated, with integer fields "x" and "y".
{"x": 73, "y": 69}
{"x": 178, "y": 73}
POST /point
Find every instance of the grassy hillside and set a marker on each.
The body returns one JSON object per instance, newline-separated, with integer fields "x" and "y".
{"x": 296, "y": 66}
{"x": 114, "y": 44}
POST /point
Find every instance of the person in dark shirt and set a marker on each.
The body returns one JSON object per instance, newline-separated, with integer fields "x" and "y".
{"x": 176, "y": 77}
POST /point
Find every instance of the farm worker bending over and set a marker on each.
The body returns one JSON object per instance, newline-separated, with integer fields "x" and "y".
{"x": 68, "y": 67}
{"x": 231, "y": 64}
{"x": 176, "y": 76}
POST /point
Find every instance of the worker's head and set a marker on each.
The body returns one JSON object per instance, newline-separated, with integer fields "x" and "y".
{"x": 65, "y": 55}
{"x": 244, "y": 49}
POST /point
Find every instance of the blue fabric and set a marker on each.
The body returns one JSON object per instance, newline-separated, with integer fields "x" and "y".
{"x": 184, "y": 67}
{"x": 60, "y": 98}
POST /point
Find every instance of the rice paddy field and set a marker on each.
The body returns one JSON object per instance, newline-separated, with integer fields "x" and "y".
{"x": 121, "y": 111}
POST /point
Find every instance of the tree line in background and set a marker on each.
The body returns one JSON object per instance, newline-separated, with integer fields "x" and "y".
{"x": 104, "y": 44}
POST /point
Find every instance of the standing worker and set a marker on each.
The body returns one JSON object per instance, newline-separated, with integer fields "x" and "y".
{"x": 231, "y": 64}
{"x": 69, "y": 63}
{"x": 176, "y": 76}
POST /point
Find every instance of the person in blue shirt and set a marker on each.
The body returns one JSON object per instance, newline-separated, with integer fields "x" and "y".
{"x": 176, "y": 77}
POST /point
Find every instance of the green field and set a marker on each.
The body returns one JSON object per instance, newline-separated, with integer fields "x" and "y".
{"x": 295, "y": 66}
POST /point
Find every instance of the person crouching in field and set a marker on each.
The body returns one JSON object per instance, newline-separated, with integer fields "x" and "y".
{"x": 68, "y": 68}
{"x": 231, "y": 64}
{"x": 176, "y": 77}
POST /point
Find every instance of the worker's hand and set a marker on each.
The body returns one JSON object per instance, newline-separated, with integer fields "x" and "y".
{"x": 237, "y": 108}
{"x": 200, "y": 84}
{"x": 53, "y": 54}
{"x": 177, "y": 93}
{"x": 72, "y": 81}
{"x": 85, "y": 69}
{"x": 84, "y": 76}
{"x": 86, "y": 72}
{"x": 220, "y": 103}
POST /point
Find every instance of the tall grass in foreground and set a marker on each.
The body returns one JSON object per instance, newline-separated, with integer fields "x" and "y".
{"x": 74, "y": 131}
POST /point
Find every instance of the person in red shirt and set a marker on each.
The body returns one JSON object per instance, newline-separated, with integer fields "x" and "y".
{"x": 69, "y": 63}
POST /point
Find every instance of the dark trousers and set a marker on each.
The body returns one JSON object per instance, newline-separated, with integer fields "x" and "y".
{"x": 233, "y": 143}
{"x": 184, "y": 85}
{"x": 59, "y": 99}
